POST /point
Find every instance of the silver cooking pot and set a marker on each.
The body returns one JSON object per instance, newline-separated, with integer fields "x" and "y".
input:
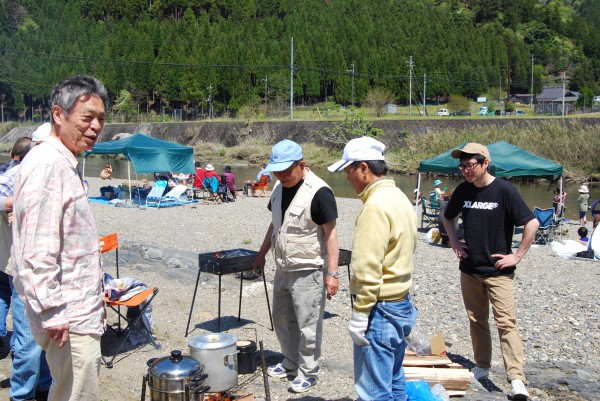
{"x": 175, "y": 378}
{"x": 218, "y": 353}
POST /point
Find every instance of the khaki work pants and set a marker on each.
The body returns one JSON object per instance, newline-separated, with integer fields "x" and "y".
{"x": 298, "y": 307}
{"x": 75, "y": 368}
{"x": 478, "y": 292}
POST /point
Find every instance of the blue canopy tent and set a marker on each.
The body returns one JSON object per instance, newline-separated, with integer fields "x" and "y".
{"x": 148, "y": 155}
{"x": 507, "y": 161}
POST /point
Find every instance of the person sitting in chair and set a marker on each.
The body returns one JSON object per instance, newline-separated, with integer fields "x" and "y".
{"x": 228, "y": 178}
{"x": 106, "y": 172}
{"x": 249, "y": 184}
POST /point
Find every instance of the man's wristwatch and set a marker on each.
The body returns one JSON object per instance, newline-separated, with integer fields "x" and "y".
{"x": 334, "y": 275}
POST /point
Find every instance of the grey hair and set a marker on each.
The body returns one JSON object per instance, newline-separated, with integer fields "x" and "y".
{"x": 66, "y": 93}
{"x": 378, "y": 167}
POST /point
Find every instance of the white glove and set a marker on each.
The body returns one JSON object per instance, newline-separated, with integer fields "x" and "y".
{"x": 357, "y": 327}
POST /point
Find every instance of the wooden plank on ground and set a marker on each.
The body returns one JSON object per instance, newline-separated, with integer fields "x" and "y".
{"x": 426, "y": 360}
{"x": 451, "y": 379}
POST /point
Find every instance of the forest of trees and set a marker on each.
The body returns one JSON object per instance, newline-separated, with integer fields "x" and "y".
{"x": 193, "y": 55}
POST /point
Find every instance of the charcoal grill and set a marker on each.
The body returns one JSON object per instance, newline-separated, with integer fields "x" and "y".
{"x": 227, "y": 262}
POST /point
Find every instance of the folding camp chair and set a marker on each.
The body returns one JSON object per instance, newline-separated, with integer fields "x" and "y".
{"x": 141, "y": 300}
{"x": 156, "y": 193}
{"x": 429, "y": 214}
{"x": 212, "y": 185}
{"x": 261, "y": 186}
{"x": 547, "y": 231}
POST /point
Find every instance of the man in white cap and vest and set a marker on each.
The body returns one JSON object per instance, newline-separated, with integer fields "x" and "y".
{"x": 490, "y": 208}
{"x": 384, "y": 242}
{"x": 304, "y": 241}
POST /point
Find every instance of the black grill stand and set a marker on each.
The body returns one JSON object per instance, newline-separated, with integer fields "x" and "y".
{"x": 218, "y": 263}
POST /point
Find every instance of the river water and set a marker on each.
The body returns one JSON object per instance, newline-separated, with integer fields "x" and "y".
{"x": 536, "y": 193}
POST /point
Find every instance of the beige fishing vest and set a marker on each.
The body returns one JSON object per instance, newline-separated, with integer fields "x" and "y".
{"x": 297, "y": 242}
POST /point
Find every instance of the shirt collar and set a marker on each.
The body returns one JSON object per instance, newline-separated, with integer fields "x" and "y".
{"x": 62, "y": 149}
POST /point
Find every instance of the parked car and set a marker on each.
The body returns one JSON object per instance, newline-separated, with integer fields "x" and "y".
{"x": 518, "y": 113}
{"x": 596, "y": 99}
{"x": 443, "y": 112}
{"x": 461, "y": 113}
{"x": 483, "y": 111}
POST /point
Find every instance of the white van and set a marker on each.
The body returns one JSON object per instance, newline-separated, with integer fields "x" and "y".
{"x": 443, "y": 112}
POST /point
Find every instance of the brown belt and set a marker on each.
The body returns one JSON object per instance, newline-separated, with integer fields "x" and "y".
{"x": 396, "y": 300}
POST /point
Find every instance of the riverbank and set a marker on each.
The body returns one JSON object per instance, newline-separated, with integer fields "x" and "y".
{"x": 572, "y": 142}
{"x": 556, "y": 304}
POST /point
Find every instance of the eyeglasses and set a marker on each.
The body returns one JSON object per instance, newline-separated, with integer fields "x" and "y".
{"x": 468, "y": 166}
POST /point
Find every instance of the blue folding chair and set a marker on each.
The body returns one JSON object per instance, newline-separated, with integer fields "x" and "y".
{"x": 547, "y": 231}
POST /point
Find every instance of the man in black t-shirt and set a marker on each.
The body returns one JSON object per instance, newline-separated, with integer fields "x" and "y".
{"x": 490, "y": 208}
{"x": 304, "y": 241}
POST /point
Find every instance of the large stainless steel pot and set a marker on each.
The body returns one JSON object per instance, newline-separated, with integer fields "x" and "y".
{"x": 218, "y": 353}
{"x": 175, "y": 378}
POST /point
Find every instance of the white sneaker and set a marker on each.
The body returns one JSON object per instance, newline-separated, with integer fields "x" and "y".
{"x": 480, "y": 373}
{"x": 301, "y": 385}
{"x": 518, "y": 392}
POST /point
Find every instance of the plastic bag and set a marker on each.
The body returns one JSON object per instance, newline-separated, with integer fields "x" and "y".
{"x": 418, "y": 342}
{"x": 418, "y": 390}
{"x": 433, "y": 236}
{"x": 440, "y": 393}
{"x": 568, "y": 249}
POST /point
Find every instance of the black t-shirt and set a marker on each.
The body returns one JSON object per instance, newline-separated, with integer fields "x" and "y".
{"x": 489, "y": 216}
{"x": 323, "y": 208}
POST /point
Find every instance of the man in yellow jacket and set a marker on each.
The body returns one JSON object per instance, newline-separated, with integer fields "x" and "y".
{"x": 384, "y": 242}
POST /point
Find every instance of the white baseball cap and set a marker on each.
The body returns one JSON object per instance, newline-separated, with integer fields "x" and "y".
{"x": 359, "y": 149}
{"x": 41, "y": 133}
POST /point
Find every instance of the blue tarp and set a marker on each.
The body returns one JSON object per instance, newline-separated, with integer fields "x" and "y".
{"x": 149, "y": 155}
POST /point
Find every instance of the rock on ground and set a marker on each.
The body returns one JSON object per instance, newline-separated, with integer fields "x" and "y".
{"x": 556, "y": 304}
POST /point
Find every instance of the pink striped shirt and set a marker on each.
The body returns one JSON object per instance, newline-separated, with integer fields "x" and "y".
{"x": 56, "y": 255}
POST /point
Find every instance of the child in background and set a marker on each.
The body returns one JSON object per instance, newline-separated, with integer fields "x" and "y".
{"x": 582, "y": 204}
{"x": 583, "y": 238}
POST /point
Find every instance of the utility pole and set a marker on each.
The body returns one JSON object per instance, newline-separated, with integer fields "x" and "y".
{"x": 3, "y": 95}
{"x": 292, "y": 81}
{"x": 352, "y": 71}
{"x": 531, "y": 101}
{"x": 563, "y": 94}
{"x": 424, "y": 92}
{"x": 266, "y": 96}
{"x": 210, "y": 108}
{"x": 500, "y": 91}
{"x": 410, "y": 67}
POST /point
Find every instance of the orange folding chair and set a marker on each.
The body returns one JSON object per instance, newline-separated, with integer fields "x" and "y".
{"x": 141, "y": 300}
{"x": 261, "y": 186}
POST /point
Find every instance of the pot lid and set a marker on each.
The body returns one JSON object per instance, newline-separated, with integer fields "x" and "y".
{"x": 213, "y": 341}
{"x": 176, "y": 366}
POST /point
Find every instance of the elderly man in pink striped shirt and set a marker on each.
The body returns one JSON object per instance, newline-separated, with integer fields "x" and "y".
{"x": 56, "y": 256}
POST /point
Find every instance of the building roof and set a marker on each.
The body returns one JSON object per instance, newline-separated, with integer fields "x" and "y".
{"x": 555, "y": 94}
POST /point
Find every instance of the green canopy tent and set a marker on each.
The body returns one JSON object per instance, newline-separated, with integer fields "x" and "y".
{"x": 507, "y": 161}
{"x": 148, "y": 155}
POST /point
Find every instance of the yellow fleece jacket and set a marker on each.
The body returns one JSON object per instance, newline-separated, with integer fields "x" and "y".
{"x": 384, "y": 242}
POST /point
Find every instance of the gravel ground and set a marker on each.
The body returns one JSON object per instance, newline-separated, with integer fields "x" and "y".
{"x": 556, "y": 299}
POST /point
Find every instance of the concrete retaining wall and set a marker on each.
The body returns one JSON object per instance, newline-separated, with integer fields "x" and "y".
{"x": 233, "y": 133}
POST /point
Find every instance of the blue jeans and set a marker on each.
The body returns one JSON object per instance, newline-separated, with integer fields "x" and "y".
{"x": 30, "y": 370}
{"x": 5, "y": 294}
{"x": 378, "y": 372}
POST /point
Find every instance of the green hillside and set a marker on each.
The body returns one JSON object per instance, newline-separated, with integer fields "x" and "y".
{"x": 186, "y": 56}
